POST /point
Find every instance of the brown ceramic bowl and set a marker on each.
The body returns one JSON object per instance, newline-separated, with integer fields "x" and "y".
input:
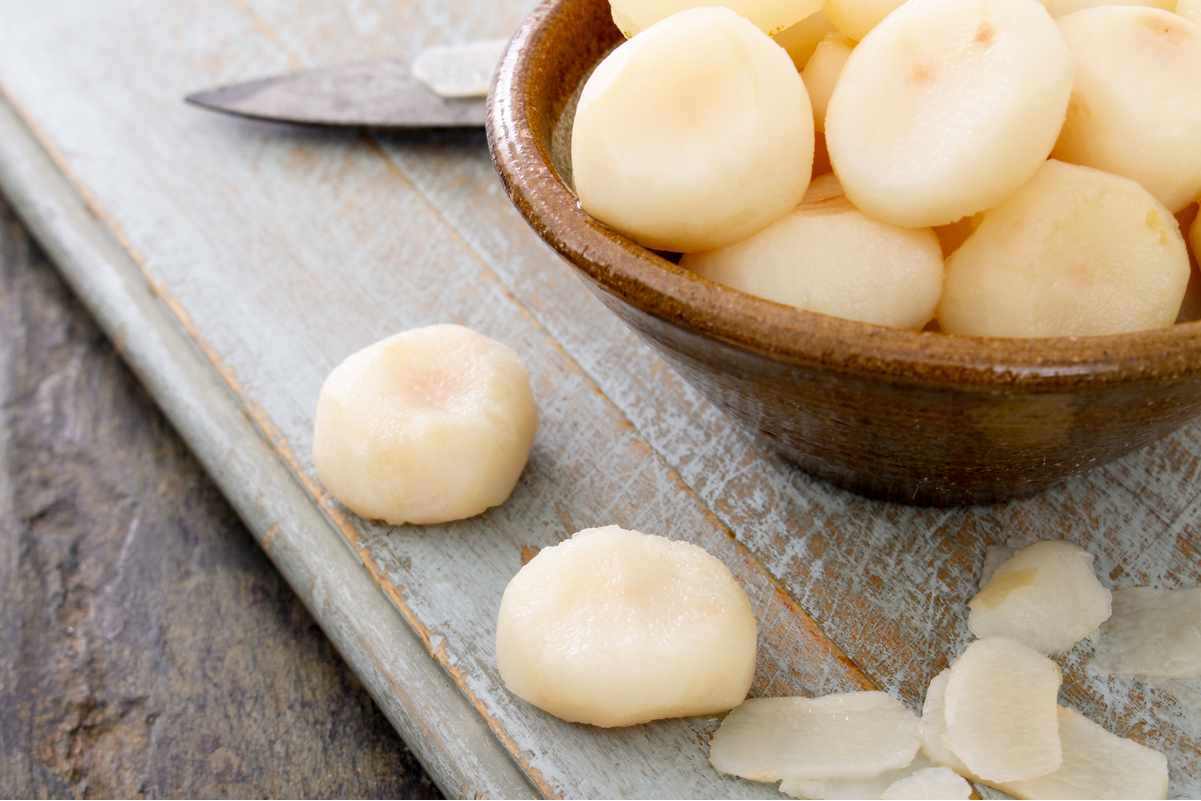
{"x": 902, "y": 415}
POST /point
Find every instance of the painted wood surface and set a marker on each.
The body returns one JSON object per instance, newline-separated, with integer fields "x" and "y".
{"x": 277, "y": 251}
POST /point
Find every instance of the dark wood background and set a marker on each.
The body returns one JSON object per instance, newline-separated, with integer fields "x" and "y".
{"x": 148, "y": 647}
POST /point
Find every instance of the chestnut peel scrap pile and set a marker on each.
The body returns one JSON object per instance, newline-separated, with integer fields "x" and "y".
{"x": 992, "y": 716}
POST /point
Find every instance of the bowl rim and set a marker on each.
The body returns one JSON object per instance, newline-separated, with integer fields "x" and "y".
{"x": 519, "y": 124}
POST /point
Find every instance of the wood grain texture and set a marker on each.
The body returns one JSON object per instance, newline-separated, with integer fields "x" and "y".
{"x": 141, "y": 627}
{"x": 418, "y": 697}
{"x": 280, "y": 251}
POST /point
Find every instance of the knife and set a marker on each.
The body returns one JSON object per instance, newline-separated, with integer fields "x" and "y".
{"x": 442, "y": 86}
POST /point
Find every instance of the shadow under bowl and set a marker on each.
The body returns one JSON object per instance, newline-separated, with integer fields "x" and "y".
{"x": 917, "y": 417}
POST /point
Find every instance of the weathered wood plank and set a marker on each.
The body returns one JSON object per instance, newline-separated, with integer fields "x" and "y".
{"x": 280, "y": 251}
{"x": 141, "y": 626}
{"x": 416, "y": 695}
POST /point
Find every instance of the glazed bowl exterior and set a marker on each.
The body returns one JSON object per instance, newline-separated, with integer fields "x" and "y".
{"x": 918, "y": 417}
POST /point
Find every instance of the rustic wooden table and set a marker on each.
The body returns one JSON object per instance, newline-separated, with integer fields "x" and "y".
{"x": 234, "y": 264}
{"x": 148, "y": 647}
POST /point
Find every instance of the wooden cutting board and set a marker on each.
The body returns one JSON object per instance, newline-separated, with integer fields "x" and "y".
{"x": 236, "y": 263}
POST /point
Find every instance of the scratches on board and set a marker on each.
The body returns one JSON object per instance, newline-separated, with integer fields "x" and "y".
{"x": 90, "y": 201}
{"x": 564, "y": 514}
{"x": 269, "y": 537}
{"x": 265, "y": 29}
{"x": 783, "y": 619}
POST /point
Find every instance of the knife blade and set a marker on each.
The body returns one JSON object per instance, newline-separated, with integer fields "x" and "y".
{"x": 442, "y": 86}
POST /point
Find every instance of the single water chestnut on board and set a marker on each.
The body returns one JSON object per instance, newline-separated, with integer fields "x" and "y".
{"x": 430, "y": 425}
{"x": 615, "y": 627}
